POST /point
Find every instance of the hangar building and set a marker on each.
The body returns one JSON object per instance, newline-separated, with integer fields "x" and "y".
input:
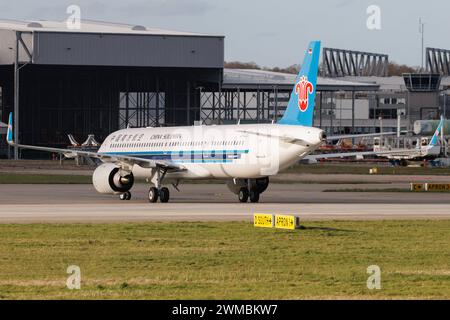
{"x": 101, "y": 77}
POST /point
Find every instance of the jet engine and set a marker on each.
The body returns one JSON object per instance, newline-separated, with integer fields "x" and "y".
{"x": 108, "y": 178}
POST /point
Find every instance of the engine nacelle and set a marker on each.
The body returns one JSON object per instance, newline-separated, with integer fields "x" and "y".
{"x": 108, "y": 178}
{"x": 261, "y": 184}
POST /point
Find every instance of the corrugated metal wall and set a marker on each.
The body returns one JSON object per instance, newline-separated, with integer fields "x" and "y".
{"x": 128, "y": 50}
{"x": 76, "y": 81}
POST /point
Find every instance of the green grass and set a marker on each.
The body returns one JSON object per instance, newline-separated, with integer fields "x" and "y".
{"x": 24, "y": 178}
{"x": 226, "y": 260}
{"x": 380, "y": 190}
{"x": 364, "y": 169}
{"x": 368, "y": 190}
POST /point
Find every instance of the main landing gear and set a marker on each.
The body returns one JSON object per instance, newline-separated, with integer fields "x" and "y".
{"x": 163, "y": 194}
{"x": 154, "y": 194}
{"x": 245, "y": 194}
{"x": 248, "y": 189}
{"x": 157, "y": 191}
{"x": 399, "y": 162}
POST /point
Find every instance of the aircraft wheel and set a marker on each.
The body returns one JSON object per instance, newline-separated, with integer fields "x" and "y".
{"x": 125, "y": 196}
{"x": 164, "y": 194}
{"x": 243, "y": 195}
{"x": 153, "y": 194}
{"x": 254, "y": 195}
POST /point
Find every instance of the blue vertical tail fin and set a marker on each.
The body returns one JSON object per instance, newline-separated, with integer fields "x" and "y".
{"x": 9, "y": 133}
{"x": 435, "y": 137}
{"x": 300, "y": 109}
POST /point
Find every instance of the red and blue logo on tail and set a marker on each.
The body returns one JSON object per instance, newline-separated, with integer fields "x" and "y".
{"x": 300, "y": 109}
{"x": 303, "y": 89}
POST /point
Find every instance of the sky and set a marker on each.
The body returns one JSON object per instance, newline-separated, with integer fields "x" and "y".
{"x": 270, "y": 33}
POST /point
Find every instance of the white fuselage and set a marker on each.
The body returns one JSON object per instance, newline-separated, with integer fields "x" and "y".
{"x": 222, "y": 151}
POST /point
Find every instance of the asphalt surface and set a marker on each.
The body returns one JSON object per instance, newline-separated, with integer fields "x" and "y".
{"x": 213, "y": 202}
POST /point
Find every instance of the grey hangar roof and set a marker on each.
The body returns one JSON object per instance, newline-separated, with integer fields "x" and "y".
{"x": 109, "y": 44}
{"x": 251, "y": 79}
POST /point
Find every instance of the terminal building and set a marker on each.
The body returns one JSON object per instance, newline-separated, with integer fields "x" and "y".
{"x": 107, "y": 76}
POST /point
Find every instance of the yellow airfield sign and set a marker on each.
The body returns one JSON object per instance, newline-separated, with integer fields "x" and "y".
{"x": 279, "y": 221}
{"x": 286, "y": 222}
{"x": 437, "y": 187}
{"x": 263, "y": 220}
{"x": 443, "y": 187}
{"x": 417, "y": 187}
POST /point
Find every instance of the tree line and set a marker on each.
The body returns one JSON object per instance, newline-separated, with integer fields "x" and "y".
{"x": 394, "y": 69}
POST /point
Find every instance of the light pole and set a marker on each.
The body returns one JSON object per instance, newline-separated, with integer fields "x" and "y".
{"x": 201, "y": 104}
{"x": 16, "y": 97}
{"x": 381, "y": 130}
{"x": 381, "y": 124}
{"x": 422, "y": 32}
{"x": 399, "y": 121}
{"x": 445, "y": 105}
{"x": 444, "y": 116}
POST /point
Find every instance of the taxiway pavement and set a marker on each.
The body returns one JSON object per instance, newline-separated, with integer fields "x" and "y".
{"x": 214, "y": 202}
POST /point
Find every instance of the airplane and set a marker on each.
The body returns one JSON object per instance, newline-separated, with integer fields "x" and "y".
{"x": 244, "y": 155}
{"x": 425, "y": 148}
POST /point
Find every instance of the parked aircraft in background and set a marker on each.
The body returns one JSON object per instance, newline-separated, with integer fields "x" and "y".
{"x": 399, "y": 152}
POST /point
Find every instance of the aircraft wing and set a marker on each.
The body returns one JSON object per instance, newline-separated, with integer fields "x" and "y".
{"x": 338, "y": 155}
{"x": 293, "y": 140}
{"x": 315, "y": 157}
{"x": 285, "y": 138}
{"x": 329, "y": 138}
{"x": 105, "y": 157}
{"x": 351, "y": 136}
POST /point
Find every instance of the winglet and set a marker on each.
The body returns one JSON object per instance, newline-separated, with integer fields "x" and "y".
{"x": 435, "y": 137}
{"x": 9, "y": 133}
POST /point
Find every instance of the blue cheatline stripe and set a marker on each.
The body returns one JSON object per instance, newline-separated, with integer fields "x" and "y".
{"x": 186, "y": 156}
{"x": 202, "y": 161}
{"x": 174, "y": 152}
{"x": 186, "y": 159}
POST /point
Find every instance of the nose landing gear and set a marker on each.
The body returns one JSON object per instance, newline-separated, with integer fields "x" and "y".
{"x": 125, "y": 196}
